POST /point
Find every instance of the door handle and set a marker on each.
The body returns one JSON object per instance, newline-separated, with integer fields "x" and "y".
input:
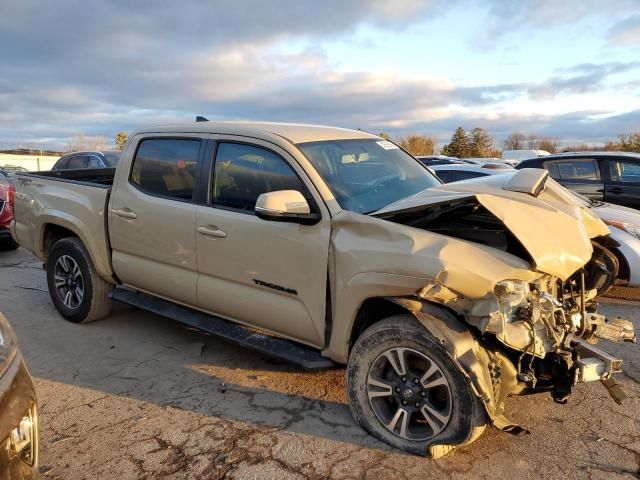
{"x": 211, "y": 231}
{"x": 125, "y": 213}
{"x": 615, "y": 190}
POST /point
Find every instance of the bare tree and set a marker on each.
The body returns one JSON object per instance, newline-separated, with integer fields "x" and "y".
{"x": 417, "y": 144}
{"x": 515, "y": 141}
{"x": 630, "y": 142}
{"x": 551, "y": 145}
{"x": 80, "y": 141}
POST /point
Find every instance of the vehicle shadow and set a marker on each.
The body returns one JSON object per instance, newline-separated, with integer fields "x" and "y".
{"x": 144, "y": 356}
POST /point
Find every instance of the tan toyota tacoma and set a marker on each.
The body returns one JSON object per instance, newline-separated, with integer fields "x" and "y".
{"x": 329, "y": 246}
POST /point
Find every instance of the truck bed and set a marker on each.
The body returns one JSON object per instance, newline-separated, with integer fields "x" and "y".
{"x": 74, "y": 200}
{"x": 98, "y": 176}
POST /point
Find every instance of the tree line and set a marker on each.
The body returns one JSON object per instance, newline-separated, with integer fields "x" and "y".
{"x": 476, "y": 143}
{"x": 81, "y": 142}
{"x": 479, "y": 143}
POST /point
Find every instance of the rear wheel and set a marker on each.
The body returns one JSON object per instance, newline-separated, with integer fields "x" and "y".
{"x": 76, "y": 289}
{"x": 405, "y": 390}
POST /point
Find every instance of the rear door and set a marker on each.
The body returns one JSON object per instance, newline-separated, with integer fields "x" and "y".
{"x": 622, "y": 176}
{"x": 152, "y": 217}
{"x": 267, "y": 274}
{"x": 579, "y": 174}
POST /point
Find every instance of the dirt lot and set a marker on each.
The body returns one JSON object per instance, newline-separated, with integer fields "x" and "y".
{"x": 135, "y": 396}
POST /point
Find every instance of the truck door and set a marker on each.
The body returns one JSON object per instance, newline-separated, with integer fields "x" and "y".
{"x": 152, "y": 218}
{"x": 623, "y": 181}
{"x": 262, "y": 273}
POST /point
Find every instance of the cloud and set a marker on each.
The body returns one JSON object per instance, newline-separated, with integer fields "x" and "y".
{"x": 626, "y": 33}
{"x": 581, "y": 78}
{"x": 99, "y": 67}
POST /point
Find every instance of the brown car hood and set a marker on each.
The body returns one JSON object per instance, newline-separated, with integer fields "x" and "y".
{"x": 549, "y": 222}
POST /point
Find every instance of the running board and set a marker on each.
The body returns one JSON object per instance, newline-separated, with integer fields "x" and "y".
{"x": 284, "y": 349}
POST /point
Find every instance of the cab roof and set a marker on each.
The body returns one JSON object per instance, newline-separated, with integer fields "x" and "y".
{"x": 292, "y": 132}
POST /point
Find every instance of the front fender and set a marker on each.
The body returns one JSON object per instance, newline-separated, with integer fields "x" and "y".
{"x": 491, "y": 375}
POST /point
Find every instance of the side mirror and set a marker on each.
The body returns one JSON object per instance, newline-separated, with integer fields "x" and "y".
{"x": 285, "y": 206}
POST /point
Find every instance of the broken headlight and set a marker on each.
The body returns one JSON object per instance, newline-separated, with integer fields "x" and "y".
{"x": 511, "y": 295}
{"x": 8, "y": 344}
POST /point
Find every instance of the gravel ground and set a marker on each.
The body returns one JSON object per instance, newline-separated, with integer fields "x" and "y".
{"x": 135, "y": 396}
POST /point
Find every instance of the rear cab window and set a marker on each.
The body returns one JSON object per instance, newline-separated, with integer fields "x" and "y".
{"x": 166, "y": 167}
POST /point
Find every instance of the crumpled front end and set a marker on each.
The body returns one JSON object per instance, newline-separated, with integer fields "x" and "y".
{"x": 533, "y": 329}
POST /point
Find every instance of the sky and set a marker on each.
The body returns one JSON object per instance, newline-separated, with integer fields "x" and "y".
{"x": 568, "y": 69}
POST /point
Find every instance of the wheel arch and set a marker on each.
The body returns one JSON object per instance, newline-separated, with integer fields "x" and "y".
{"x": 52, "y": 230}
{"x": 472, "y": 359}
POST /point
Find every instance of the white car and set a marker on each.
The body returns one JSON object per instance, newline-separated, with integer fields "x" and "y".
{"x": 623, "y": 222}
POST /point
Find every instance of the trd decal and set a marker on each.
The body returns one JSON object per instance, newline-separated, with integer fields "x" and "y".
{"x": 275, "y": 287}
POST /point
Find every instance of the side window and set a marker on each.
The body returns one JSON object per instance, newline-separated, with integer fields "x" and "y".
{"x": 61, "y": 164}
{"x": 243, "y": 172}
{"x": 166, "y": 167}
{"x": 622, "y": 171}
{"x": 578, "y": 169}
{"x": 77, "y": 161}
{"x": 94, "y": 162}
{"x": 552, "y": 167}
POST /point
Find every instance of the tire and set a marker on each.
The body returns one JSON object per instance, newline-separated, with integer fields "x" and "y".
{"x": 94, "y": 303}
{"x": 459, "y": 416}
{"x": 8, "y": 244}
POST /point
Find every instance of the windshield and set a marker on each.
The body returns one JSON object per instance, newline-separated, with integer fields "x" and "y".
{"x": 367, "y": 175}
{"x": 111, "y": 158}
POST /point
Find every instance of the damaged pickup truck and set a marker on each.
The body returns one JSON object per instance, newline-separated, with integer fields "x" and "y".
{"x": 328, "y": 246}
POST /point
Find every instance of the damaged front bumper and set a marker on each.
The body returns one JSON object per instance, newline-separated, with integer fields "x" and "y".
{"x": 593, "y": 364}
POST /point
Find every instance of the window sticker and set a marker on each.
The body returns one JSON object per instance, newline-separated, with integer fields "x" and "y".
{"x": 387, "y": 145}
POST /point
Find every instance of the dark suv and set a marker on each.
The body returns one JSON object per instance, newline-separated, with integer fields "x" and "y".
{"x": 612, "y": 177}
{"x": 93, "y": 159}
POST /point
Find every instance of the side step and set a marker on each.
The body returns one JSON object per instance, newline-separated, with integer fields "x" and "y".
{"x": 284, "y": 349}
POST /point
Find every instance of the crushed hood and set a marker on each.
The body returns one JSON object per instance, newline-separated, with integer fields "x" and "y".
{"x": 551, "y": 224}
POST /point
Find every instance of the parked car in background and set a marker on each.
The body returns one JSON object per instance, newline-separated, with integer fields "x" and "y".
{"x": 612, "y": 177}
{"x": 456, "y": 173}
{"x": 7, "y": 195}
{"x": 430, "y": 160}
{"x": 18, "y": 411}
{"x": 91, "y": 159}
{"x": 518, "y": 155}
{"x": 623, "y": 222}
{"x": 11, "y": 170}
{"x": 490, "y": 161}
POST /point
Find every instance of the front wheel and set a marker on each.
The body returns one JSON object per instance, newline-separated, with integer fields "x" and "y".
{"x": 405, "y": 390}
{"x": 76, "y": 289}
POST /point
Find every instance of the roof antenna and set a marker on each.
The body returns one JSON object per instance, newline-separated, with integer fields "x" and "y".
{"x": 200, "y": 118}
